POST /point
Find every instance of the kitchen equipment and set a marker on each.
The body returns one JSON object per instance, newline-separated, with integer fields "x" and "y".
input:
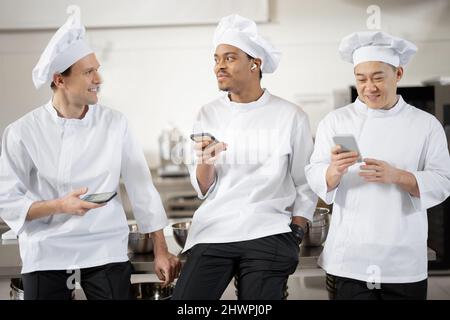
{"x": 183, "y": 205}
{"x": 318, "y": 228}
{"x": 139, "y": 242}
{"x": 152, "y": 291}
{"x": 16, "y": 292}
{"x": 331, "y": 286}
{"x": 180, "y": 232}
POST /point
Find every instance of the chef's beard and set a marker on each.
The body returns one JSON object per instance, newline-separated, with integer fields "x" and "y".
{"x": 224, "y": 88}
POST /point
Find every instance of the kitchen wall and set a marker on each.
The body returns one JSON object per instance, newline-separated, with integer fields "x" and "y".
{"x": 160, "y": 76}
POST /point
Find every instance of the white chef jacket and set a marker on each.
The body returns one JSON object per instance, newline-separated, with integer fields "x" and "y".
{"x": 259, "y": 176}
{"x": 45, "y": 157}
{"x": 378, "y": 231}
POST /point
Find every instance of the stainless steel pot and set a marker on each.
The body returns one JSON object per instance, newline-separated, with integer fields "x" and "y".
{"x": 139, "y": 242}
{"x": 180, "y": 232}
{"x": 152, "y": 291}
{"x": 16, "y": 292}
{"x": 318, "y": 228}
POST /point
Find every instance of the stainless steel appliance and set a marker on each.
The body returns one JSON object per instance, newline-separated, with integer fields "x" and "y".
{"x": 152, "y": 291}
{"x": 182, "y": 205}
{"x": 318, "y": 228}
{"x": 139, "y": 242}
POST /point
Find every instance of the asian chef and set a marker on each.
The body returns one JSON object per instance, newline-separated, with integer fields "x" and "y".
{"x": 377, "y": 242}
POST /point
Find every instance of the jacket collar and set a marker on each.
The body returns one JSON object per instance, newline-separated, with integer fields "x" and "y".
{"x": 70, "y": 122}
{"x": 236, "y": 106}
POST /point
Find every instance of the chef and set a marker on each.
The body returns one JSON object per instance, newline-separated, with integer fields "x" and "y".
{"x": 69, "y": 147}
{"x": 251, "y": 175}
{"x": 377, "y": 242}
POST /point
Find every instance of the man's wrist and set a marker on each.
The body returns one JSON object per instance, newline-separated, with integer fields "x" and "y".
{"x": 56, "y": 206}
{"x": 301, "y": 221}
{"x": 159, "y": 243}
{"x": 298, "y": 231}
{"x": 401, "y": 177}
{"x": 304, "y": 228}
{"x": 407, "y": 181}
{"x": 333, "y": 178}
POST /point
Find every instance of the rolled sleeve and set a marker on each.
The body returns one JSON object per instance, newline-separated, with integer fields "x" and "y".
{"x": 433, "y": 189}
{"x": 316, "y": 175}
{"x": 316, "y": 170}
{"x": 15, "y": 215}
{"x": 15, "y": 167}
{"x": 433, "y": 180}
{"x": 145, "y": 200}
{"x": 194, "y": 182}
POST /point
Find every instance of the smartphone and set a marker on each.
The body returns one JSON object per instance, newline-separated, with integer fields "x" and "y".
{"x": 99, "y": 197}
{"x": 347, "y": 143}
{"x": 198, "y": 137}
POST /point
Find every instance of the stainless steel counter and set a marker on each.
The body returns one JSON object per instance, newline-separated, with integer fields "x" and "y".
{"x": 11, "y": 264}
{"x": 143, "y": 263}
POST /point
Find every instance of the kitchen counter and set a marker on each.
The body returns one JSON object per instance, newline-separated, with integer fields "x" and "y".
{"x": 143, "y": 263}
{"x": 10, "y": 262}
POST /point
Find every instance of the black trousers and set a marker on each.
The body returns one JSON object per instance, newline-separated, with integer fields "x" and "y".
{"x": 262, "y": 267}
{"x": 110, "y": 281}
{"x": 351, "y": 289}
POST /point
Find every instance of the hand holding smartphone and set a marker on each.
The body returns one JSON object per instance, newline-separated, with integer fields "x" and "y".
{"x": 199, "y": 137}
{"x": 347, "y": 143}
{"x": 206, "y": 154}
{"x": 99, "y": 197}
{"x": 204, "y": 136}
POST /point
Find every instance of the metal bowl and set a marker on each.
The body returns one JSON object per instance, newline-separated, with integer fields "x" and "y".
{"x": 16, "y": 292}
{"x": 152, "y": 291}
{"x": 139, "y": 242}
{"x": 318, "y": 229}
{"x": 180, "y": 232}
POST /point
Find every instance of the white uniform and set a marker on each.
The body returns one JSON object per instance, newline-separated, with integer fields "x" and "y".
{"x": 44, "y": 157}
{"x": 379, "y": 231}
{"x": 259, "y": 176}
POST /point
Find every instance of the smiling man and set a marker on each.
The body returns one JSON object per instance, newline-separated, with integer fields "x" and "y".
{"x": 377, "y": 243}
{"x": 251, "y": 175}
{"x": 60, "y": 151}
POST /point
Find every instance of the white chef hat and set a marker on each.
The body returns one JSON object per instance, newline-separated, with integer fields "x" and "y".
{"x": 66, "y": 47}
{"x": 376, "y": 46}
{"x": 242, "y": 33}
